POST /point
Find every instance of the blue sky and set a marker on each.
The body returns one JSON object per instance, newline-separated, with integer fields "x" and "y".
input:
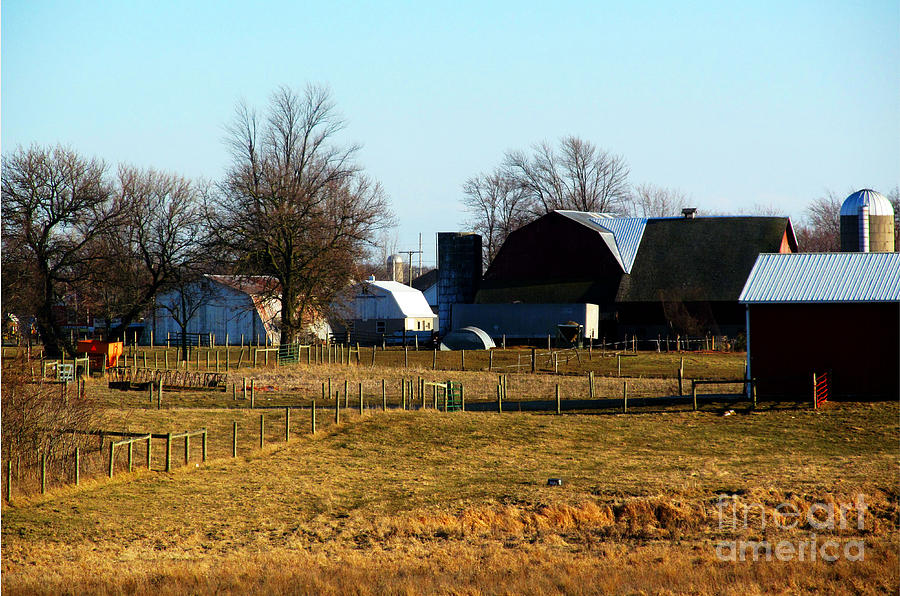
{"x": 733, "y": 103}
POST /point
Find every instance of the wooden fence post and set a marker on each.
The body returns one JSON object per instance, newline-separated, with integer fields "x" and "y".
{"x": 499, "y": 398}
{"x": 234, "y": 439}
{"x": 591, "y": 384}
{"x": 558, "y": 403}
{"x": 287, "y": 424}
{"x": 490, "y": 360}
{"x": 168, "y": 452}
{"x": 681, "y": 378}
{"x": 77, "y": 467}
{"x": 262, "y": 430}
{"x": 533, "y": 359}
{"x": 346, "y": 393}
{"x": 360, "y": 400}
{"x": 434, "y": 359}
{"x": 753, "y": 392}
{"x": 462, "y": 398}
{"x": 383, "y": 395}
{"x": 815, "y": 402}
{"x": 149, "y": 447}
{"x": 462, "y": 359}
{"x": 187, "y": 448}
{"x": 694, "y": 394}
{"x": 130, "y": 456}
{"x": 624, "y": 397}
{"x": 252, "y": 394}
{"x": 159, "y": 392}
{"x": 112, "y": 460}
{"x": 405, "y": 357}
{"x": 337, "y": 406}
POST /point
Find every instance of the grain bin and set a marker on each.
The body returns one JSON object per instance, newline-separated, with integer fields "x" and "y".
{"x": 867, "y": 223}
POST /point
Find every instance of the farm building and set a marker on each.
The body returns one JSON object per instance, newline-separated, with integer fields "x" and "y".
{"x": 831, "y": 313}
{"x": 222, "y": 305}
{"x": 388, "y": 311}
{"x": 427, "y": 284}
{"x": 649, "y": 276}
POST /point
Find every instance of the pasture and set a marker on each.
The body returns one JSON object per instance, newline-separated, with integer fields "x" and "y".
{"x": 424, "y": 501}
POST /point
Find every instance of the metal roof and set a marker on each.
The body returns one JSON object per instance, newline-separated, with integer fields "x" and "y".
{"x": 622, "y": 234}
{"x": 408, "y": 301}
{"x": 875, "y": 201}
{"x": 823, "y": 277}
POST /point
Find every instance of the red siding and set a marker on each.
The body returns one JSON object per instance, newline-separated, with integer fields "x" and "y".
{"x": 859, "y": 344}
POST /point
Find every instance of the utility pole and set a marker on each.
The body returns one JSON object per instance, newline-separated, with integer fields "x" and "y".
{"x": 411, "y": 253}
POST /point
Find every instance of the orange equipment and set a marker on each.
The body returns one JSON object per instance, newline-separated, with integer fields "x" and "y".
{"x": 97, "y": 349}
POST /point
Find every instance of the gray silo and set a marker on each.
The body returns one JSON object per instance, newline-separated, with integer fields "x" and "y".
{"x": 395, "y": 268}
{"x": 867, "y": 223}
{"x": 459, "y": 273}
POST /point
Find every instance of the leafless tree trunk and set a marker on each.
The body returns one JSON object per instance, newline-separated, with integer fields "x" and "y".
{"x": 577, "y": 176}
{"x": 158, "y": 244}
{"x": 497, "y": 206}
{"x": 55, "y": 204}
{"x": 820, "y": 230}
{"x": 648, "y": 200}
{"x": 295, "y": 206}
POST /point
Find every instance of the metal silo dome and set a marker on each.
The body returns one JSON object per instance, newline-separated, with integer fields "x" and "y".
{"x": 867, "y": 223}
{"x": 876, "y": 202}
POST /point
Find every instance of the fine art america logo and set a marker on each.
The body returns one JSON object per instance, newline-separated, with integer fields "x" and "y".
{"x": 820, "y": 517}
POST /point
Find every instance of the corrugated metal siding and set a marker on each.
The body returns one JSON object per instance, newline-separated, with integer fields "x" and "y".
{"x": 823, "y": 277}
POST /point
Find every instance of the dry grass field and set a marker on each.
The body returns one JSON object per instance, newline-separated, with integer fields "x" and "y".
{"x": 410, "y": 502}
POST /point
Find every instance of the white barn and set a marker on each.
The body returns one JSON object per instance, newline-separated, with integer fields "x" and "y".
{"x": 387, "y": 311}
{"x": 223, "y": 305}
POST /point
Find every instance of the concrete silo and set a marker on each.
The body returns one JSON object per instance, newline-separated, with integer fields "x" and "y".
{"x": 395, "y": 268}
{"x": 867, "y": 223}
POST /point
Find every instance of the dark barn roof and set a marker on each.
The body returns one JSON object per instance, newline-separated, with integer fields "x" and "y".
{"x": 425, "y": 281}
{"x": 572, "y": 257}
{"x": 701, "y": 259}
{"x": 553, "y": 259}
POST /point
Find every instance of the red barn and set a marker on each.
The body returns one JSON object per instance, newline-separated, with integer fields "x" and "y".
{"x": 832, "y": 313}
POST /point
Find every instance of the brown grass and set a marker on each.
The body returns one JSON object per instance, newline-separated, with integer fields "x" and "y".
{"x": 422, "y": 502}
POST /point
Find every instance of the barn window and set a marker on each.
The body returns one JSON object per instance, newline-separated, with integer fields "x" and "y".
{"x": 418, "y": 325}
{"x": 379, "y": 326}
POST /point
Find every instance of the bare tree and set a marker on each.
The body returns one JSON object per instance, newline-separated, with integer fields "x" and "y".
{"x": 577, "y": 175}
{"x": 295, "y": 205}
{"x": 157, "y": 245}
{"x": 649, "y": 200}
{"x": 820, "y": 229}
{"x": 497, "y": 206}
{"x": 186, "y": 297}
{"x": 55, "y": 204}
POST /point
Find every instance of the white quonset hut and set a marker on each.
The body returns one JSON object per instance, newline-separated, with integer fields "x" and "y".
{"x": 384, "y": 311}
{"x": 221, "y": 305}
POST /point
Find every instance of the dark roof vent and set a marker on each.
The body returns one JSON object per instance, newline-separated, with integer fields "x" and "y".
{"x": 689, "y": 212}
